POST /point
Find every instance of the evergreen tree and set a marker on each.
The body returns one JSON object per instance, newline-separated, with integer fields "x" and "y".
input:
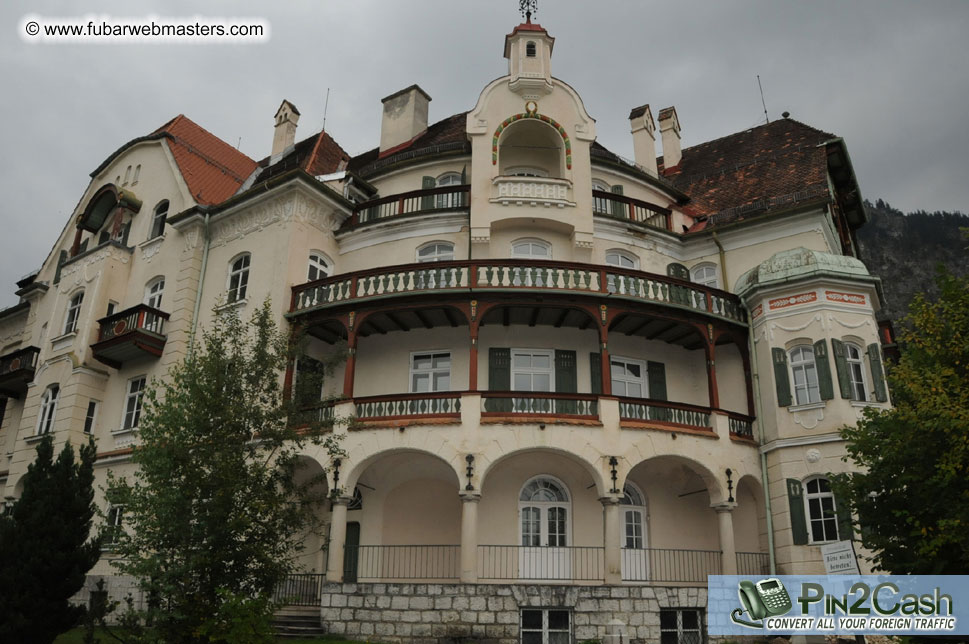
{"x": 44, "y": 546}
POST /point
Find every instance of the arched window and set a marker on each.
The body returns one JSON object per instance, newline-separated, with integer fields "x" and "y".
{"x": 154, "y": 292}
{"x": 635, "y": 563}
{"x": 449, "y": 199}
{"x": 854, "y": 356}
{"x": 621, "y": 258}
{"x": 436, "y": 252}
{"x": 705, "y": 275}
{"x": 821, "y": 510}
{"x": 48, "y": 409}
{"x": 318, "y": 267}
{"x": 73, "y": 312}
{"x": 531, "y": 249}
{"x": 544, "y": 508}
{"x": 158, "y": 220}
{"x": 544, "y": 489}
{"x": 238, "y": 278}
{"x": 600, "y": 205}
{"x": 530, "y": 49}
{"x": 525, "y": 171}
{"x": 804, "y": 374}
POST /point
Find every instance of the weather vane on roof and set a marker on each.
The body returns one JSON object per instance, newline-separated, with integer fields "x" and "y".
{"x": 527, "y": 8}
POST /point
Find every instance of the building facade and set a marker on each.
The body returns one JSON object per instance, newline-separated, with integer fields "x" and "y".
{"x": 583, "y": 383}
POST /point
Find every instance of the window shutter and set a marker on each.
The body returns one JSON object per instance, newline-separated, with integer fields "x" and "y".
{"x": 841, "y": 365}
{"x": 877, "y": 375}
{"x": 595, "y": 372}
{"x": 104, "y": 236}
{"x": 566, "y": 381}
{"x": 61, "y": 258}
{"x": 781, "y": 379}
{"x": 795, "y": 498}
{"x": 82, "y": 247}
{"x": 679, "y": 271}
{"x": 824, "y": 369}
{"x": 656, "y": 376}
{"x": 427, "y": 201}
{"x": 124, "y": 233}
{"x": 499, "y": 378}
{"x": 617, "y": 208}
{"x": 464, "y": 182}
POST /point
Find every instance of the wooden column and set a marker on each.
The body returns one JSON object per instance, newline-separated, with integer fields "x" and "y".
{"x": 351, "y": 365}
{"x": 710, "y": 349}
{"x": 748, "y": 378}
{"x": 606, "y": 363}
{"x": 473, "y": 358}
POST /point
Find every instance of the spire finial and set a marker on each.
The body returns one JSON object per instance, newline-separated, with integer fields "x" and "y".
{"x": 527, "y": 8}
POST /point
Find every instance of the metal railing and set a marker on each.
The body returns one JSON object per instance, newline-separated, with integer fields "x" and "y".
{"x": 415, "y": 202}
{"x": 669, "y": 565}
{"x": 621, "y": 207}
{"x": 22, "y": 360}
{"x": 538, "y": 404}
{"x": 138, "y": 318}
{"x": 303, "y": 589}
{"x": 753, "y": 563}
{"x": 545, "y": 563}
{"x": 370, "y": 563}
{"x": 409, "y": 405}
{"x": 662, "y": 411}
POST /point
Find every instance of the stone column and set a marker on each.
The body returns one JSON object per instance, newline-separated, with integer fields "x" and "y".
{"x": 469, "y": 537}
{"x": 727, "y": 548}
{"x": 338, "y": 536}
{"x": 611, "y": 539}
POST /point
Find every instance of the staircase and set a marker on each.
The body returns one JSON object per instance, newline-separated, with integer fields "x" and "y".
{"x": 293, "y": 622}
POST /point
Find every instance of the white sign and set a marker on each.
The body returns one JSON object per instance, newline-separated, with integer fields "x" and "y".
{"x": 839, "y": 558}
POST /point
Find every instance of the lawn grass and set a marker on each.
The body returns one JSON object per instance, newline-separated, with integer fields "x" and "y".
{"x": 76, "y": 636}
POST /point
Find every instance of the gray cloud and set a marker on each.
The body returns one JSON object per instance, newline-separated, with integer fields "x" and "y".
{"x": 890, "y": 77}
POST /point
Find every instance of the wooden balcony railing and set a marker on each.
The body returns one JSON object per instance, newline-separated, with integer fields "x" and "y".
{"x": 415, "y": 202}
{"x": 662, "y": 411}
{"x": 621, "y": 207}
{"x": 525, "y": 403}
{"x": 135, "y": 332}
{"x": 741, "y": 425}
{"x": 17, "y": 371}
{"x": 431, "y": 404}
{"x": 514, "y": 275}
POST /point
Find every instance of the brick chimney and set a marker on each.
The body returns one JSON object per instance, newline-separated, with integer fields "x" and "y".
{"x": 405, "y": 116}
{"x": 669, "y": 126}
{"x": 644, "y": 142}
{"x": 284, "y": 133}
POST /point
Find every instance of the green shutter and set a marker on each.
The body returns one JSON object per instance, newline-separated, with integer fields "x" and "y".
{"x": 464, "y": 182}
{"x": 824, "y": 369}
{"x": 566, "y": 381}
{"x": 795, "y": 498}
{"x": 841, "y": 365}
{"x": 656, "y": 376}
{"x": 781, "y": 378}
{"x": 61, "y": 258}
{"x": 877, "y": 375}
{"x": 679, "y": 271}
{"x": 104, "y": 237}
{"x": 499, "y": 378}
{"x": 595, "y": 372}
{"x": 617, "y": 208}
{"x": 427, "y": 201}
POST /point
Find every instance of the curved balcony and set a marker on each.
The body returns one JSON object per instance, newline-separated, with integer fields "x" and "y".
{"x": 407, "y": 204}
{"x": 132, "y": 334}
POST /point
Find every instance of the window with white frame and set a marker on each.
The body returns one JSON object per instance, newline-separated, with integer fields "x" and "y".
{"x": 238, "y": 278}
{"x": 48, "y": 410}
{"x": 531, "y": 249}
{"x": 318, "y": 267}
{"x": 154, "y": 292}
{"x": 449, "y": 199}
{"x": 530, "y": 49}
{"x": 854, "y": 357}
{"x": 91, "y": 416}
{"x": 821, "y": 510}
{"x": 526, "y": 171}
{"x": 804, "y": 374}
{"x": 600, "y": 205}
{"x": 436, "y": 252}
{"x": 113, "y": 527}
{"x": 620, "y": 258}
{"x": 158, "y": 220}
{"x": 430, "y": 371}
{"x": 73, "y": 312}
{"x": 680, "y": 626}
{"x": 628, "y": 377}
{"x": 546, "y": 626}
{"x": 133, "y": 400}
{"x": 532, "y": 370}
{"x": 705, "y": 275}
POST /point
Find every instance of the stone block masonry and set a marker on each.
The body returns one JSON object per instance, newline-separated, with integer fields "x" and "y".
{"x": 416, "y": 613}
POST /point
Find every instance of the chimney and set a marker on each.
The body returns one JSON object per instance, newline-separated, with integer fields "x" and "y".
{"x": 644, "y": 142}
{"x": 405, "y": 116}
{"x": 284, "y": 134}
{"x": 669, "y": 126}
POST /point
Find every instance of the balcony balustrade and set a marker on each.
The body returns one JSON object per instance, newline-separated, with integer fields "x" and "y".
{"x": 532, "y": 191}
{"x": 641, "y": 212}
{"x": 135, "y": 333}
{"x": 645, "y": 410}
{"x": 422, "y": 405}
{"x": 741, "y": 425}
{"x": 504, "y": 403}
{"x": 416, "y": 202}
{"x": 17, "y": 371}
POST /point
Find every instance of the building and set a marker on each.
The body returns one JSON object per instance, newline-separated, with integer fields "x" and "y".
{"x": 584, "y": 382}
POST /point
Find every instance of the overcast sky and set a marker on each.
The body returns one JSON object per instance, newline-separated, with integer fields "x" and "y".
{"x": 889, "y": 77}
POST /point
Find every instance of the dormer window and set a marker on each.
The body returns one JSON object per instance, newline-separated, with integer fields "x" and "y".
{"x": 530, "y": 49}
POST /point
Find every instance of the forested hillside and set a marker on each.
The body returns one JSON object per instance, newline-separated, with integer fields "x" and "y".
{"x": 904, "y": 250}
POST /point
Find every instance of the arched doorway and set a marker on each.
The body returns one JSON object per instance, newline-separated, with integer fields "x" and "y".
{"x": 634, "y": 535}
{"x": 545, "y": 514}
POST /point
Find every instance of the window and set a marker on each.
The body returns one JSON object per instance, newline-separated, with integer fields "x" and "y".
{"x": 48, "y": 409}
{"x": 822, "y": 515}
{"x": 530, "y": 49}
{"x": 680, "y": 626}
{"x": 134, "y": 180}
{"x": 318, "y": 267}
{"x": 526, "y": 171}
{"x": 856, "y": 372}
{"x": 112, "y": 529}
{"x": 449, "y": 199}
{"x": 238, "y": 278}
{"x": 132, "y": 408}
{"x": 546, "y": 626}
{"x": 621, "y": 259}
{"x": 629, "y": 378}
{"x": 91, "y": 416}
{"x": 705, "y": 275}
{"x": 806, "y": 389}
{"x": 127, "y": 175}
{"x": 356, "y": 501}
{"x": 154, "y": 292}
{"x": 600, "y": 205}
{"x": 634, "y": 516}
{"x": 531, "y": 249}
{"x": 73, "y": 313}
{"x": 532, "y": 370}
{"x": 436, "y": 252}
{"x": 430, "y": 372}
{"x": 158, "y": 220}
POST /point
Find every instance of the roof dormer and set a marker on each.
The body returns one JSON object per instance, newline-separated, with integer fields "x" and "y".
{"x": 528, "y": 49}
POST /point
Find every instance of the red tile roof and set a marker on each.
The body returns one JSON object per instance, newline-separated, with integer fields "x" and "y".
{"x": 316, "y": 154}
{"x": 212, "y": 169}
{"x": 450, "y": 132}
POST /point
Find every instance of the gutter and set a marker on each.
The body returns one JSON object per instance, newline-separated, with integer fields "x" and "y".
{"x": 198, "y": 293}
{"x": 723, "y": 260}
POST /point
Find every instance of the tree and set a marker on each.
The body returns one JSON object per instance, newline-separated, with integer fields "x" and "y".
{"x": 911, "y": 497}
{"x": 213, "y": 515}
{"x": 44, "y": 546}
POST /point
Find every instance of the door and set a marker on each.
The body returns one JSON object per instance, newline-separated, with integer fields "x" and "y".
{"x": 635, "y": 556}
{"x": 351, "y": 552}
{"x": 544, "y": 518}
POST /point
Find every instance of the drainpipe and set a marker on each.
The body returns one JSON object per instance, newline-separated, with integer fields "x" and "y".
{"x": 759, "y": 404}
{"x": 198, "y": 294}
{"x": 723, "y": 259}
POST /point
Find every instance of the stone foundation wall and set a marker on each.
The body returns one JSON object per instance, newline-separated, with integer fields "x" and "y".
{"x": 490, "y": 613}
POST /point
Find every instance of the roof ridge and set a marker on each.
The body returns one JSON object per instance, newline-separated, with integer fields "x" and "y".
{"x": 757, "y": 127}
